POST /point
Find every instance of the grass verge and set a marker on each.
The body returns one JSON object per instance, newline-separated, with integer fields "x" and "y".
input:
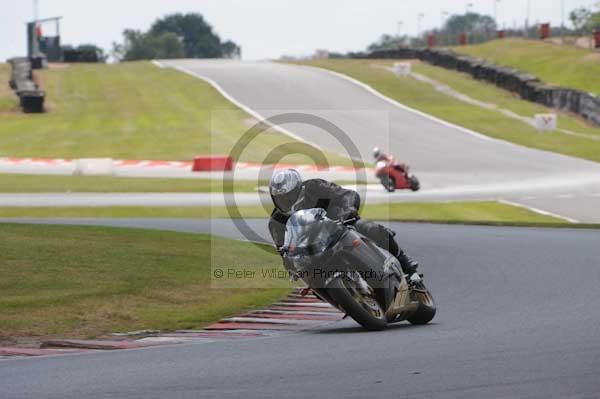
{"x": 134, "y": 111}
{"x": 9, "y": 102}
{"x": 567, "y": 66}
{"x": 17, "y": 183}
{"x": 504, "y": 99}
{"x": 424, "y": 97}
{"x": 483, "y": 212}
{"x": 73, "y": 281}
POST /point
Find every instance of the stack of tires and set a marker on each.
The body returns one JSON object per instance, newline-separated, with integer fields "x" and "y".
{"x": 526, "y": 85}
{"x": 21, "y": 81}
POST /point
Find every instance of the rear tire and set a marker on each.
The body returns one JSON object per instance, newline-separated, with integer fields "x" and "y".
{"x": 364, "y": 310}
{"x": 388, "y": 183}
{"x": 426, "y": 310}
{"x": 415, "y": 185}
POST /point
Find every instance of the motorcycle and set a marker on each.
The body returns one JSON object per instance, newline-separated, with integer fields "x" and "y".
{"x": 353, "y": 274}
{"x": 395, "y": 176}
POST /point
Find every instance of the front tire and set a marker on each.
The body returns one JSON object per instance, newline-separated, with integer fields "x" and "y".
{"x": 388, "y": 183}
{"x": 426, "y": 310}
{"x": 415, "y": 185}
{"x": 364, "y": 309}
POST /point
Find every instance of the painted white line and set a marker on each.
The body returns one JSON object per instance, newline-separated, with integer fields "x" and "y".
{"x": 565, "y": 196}
{"x": 539, "y": 211}
{"x": 168, "y": 340}
{"x": 269, "y": 321}
{"x": 307, "y": 296}
{"x": 238, "y": 104}
{"x": 364, "y": 86}
{"x": 158, "y": 64}
{"x": 397, "y": 104}
{"x": 312, "y": 304}
{"x": 295, "y": 312}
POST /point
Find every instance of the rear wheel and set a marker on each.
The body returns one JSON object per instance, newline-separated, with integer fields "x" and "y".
{"x": 358, "y": 302}
{"x": 415, "y": 185}
{"x": 426, "y": 310}
{"x": 389, "y": 183}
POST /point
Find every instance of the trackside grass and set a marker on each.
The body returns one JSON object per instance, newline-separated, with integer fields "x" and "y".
{"x": 484, "y": 212}
{"x": 567, "y": 66}
{"x": 17, "y": 183}
{"x": 72, "y": 281}
{"x": 9, "y": 102}
{"x": 503, "y": 99}
{"x": 132, "y": 111}
{"x": 424, "y": 97}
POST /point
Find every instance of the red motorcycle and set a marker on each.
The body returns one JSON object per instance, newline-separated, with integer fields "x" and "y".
{"x": 396, "y": 176}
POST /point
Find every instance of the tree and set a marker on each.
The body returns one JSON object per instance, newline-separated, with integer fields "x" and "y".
{"x": 231, "y": 50}
{"x": 198, "y": 37}
{"x": 579, "y": 18}
{"x": 175, "y": 36}
{"x": 91, "y": 53}
{"x": 199, "y": 41}
{"x": 83, "y": 53}
{"x": 387, "y": 42}
{"x": 147, "y": 46}
{"x": 585, "y": 20}
{"x": 477, "y": 26}
{"x": 118, "y": 51}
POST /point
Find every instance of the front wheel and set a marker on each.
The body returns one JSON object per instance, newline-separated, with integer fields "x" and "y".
{"x": 358, "y": 302}
{"x": 415, "y": 185}
{"x": 389, "y": 183}
{"x": 426, "y": 310}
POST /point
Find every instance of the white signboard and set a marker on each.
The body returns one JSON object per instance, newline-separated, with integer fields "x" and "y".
{"x": 94, "y": 166}
{"x": 402, "y": 68}
{"x": 545, "y": 122}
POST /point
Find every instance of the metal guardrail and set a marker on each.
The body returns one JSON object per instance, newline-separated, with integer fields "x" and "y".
{"x": 21, "y": 81}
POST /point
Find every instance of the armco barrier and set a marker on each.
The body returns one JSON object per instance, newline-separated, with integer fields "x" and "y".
{"x": 528, "y": 86}
{"x": 21, "y": 81}
{"x": 212, "y": 163}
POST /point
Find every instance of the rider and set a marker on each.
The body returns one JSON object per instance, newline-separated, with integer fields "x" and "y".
{"x": 383, "y": 157}
{"x": 288, "y": 190}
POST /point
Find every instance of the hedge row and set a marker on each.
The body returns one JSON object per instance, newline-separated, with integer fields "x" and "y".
{"x": 21, "y": 81}
{"x": 526, "y": 85}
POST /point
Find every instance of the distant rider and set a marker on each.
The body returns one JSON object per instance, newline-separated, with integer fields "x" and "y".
{"x": 388, "y": 159}
{"x": 288, "y": 190}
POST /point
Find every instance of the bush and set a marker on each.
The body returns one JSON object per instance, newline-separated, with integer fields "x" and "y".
{"x": 83, "y": 53}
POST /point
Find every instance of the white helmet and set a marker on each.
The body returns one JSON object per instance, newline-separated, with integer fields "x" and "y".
{"x": 376, "y": 152}
{"x": 285, "y": 188}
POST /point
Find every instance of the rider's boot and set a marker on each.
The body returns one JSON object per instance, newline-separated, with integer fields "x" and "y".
{"x": 409, "y": 265}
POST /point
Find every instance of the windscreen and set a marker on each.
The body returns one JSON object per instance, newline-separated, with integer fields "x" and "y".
{"x": 309, "y": 232}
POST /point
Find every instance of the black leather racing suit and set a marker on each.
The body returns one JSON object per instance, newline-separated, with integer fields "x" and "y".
{"x": 340, "y": 204}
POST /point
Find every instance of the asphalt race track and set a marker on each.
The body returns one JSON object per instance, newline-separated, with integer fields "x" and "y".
{"x": 517, "y": 307}
{"x": 517, "y": 317}
{"x": 443, "y": 156}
